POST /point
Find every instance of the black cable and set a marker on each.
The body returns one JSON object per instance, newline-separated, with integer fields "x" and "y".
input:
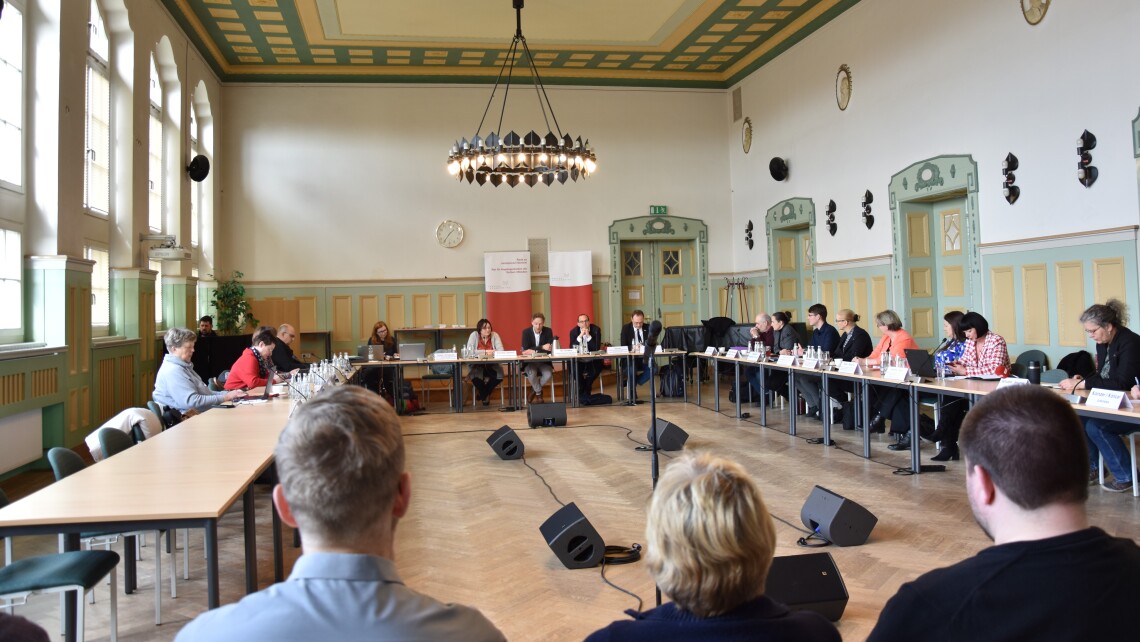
{"x": 784, "y": 521}
{"x": 806, "y": 541}
{"x": 621, "y": 555}
{"x": 543, "y": 479}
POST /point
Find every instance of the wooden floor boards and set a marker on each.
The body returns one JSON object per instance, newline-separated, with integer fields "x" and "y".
{"x": 472, "y": 534}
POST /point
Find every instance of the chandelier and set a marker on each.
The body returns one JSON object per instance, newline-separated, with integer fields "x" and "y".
{"x": 528, "y": 159}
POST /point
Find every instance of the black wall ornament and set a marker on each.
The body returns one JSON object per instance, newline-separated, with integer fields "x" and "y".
{"x": 868, "y": 219}
{"x": 748, "y": 235}
{"x": 831, "y": 226}
{"x": 778, "y": 168}
{"x": 1086, "y": 173}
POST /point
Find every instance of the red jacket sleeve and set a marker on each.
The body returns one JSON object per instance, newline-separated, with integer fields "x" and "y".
{"x": 244, "y": 373}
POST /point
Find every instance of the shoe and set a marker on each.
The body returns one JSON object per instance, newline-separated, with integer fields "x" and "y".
{"x": 936, "y": 436}
{"x": 813, "y": 412}
{"x": 948, "y": 453}
{"x": 1117, "y": 486}
{"x": 1094, "y": 478}
{"x": 486, "y": 402}
{"x": 902, "y": 444}
{"x": 878, "y": 423}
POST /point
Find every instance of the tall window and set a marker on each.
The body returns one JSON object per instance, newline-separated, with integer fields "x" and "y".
{"x": 195, "y": 187}
{"x": 12, "y": 96}
{"x": 100, "y": 289}
{"x": 11, "y": 268}
{"x": 96, "y": 174}
{"x": 157, "y": 267}
{"x": 156, "y": 147}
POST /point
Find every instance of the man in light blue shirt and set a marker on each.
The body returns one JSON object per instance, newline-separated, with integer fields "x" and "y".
{"x": 343, "y": 484}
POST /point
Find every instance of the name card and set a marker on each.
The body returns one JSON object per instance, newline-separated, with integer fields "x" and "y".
{"x": 754, "y": 357}
{"x": 850, "y": 367}
{"x": 710, "y": 351}
{"x": 896, "y": 373}
{"x": 445, "y": 356}
{"x": 786, "y": 360}
{"x": 1010, "y": 381}
{"x": 1108, "y": 399}
{"x": 506, "y": 354}
{"x": 565, "y": 352}
{"x": 732, "y": 354}
{"x": 811, "y": 364}
{"x": 617, "y": 350}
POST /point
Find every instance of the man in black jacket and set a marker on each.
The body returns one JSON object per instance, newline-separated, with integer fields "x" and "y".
{"x": 283, "y": 358}
{"x": 537, "y": 340}
{"x": 635, "y": 334}
{"x": 588, "y": 369}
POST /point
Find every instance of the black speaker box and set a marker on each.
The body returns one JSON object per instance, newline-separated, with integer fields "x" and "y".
{"x": 506, "y": 443}
{"x": 837, "y": 519}
{"x": 808, "y": 582}
{"x": 669, "y": 436}
{"x": 546, "y": 415}
{"x": 572, "y": 538}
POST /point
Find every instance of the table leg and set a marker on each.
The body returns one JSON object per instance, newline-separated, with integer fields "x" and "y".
{"x": 825, "y": 408}
{"x": 250, "y": 541}
{"x": 792, "y": 402}
{"x": 71, "y": 543}
{"x": 866, "y": 418}
{"x": 685, "y": 376}
{"x": 763, "y": 393}
{"x": 716, "y": 385}
{"x": 278, "y": 556}
{"x": 211, "y": 543}
{"x": 130, "y": 563}
{"x": 739, "y": 392}
{"x": 915, "y": 460}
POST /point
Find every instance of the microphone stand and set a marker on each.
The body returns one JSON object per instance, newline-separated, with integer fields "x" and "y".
{"x": 654, "y": 461}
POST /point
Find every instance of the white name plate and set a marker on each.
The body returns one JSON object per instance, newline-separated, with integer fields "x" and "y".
{"x": 710, "y": 351}
{"x": 565, "y": 352}
{"x": 506, "y": 354}
{"x": 896, "y": 373}
{"x": 445, "y": 356}
{"x": 732, "y": 354}
{"x": 1009, "y": 381}
{"x": 617, "y": 350}
{"x": 786, "y": 360}
{"x": 811, "y": 364}
{"x": 1108, "y": 399}
{"x": 850, "y": 367}
{"x": 754, "y": 357}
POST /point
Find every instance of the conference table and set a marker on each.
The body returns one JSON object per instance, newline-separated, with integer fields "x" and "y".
{"x": 185, "y": 477}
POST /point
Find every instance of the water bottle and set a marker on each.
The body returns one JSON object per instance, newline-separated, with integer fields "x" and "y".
{"x": 371, "y": 353}
{"x": 554, "y": 345}
{"x": 1033, "y": 372}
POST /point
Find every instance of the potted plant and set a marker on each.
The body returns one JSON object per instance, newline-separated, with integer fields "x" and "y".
{"x": 234, "y": 312}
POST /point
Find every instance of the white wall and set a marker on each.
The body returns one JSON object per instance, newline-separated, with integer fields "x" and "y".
{"x": 349, "y": 182}
{"x": 934, "y": 78}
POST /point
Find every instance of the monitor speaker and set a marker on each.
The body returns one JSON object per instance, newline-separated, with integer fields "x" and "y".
{"x": 572, "y": 538}
{"x": 546, "y": 415}
{"x": 506, "y": 443}
{"x": 669, "y": 436}
{"x": 808, "y": 582}
{"x": 837, "y": 519}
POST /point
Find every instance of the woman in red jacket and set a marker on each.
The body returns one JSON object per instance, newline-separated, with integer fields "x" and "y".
{"x": 251, "y": 370}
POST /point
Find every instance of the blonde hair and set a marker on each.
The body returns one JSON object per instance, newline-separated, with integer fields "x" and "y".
{"x": 710, "y": 537}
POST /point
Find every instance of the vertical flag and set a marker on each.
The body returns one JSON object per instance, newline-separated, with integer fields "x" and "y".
{"x": 571, "y": 291}
{"x": 506, "y": 276}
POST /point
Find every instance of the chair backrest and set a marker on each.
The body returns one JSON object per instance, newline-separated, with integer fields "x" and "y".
{"x": 114, "y": 441}
{"x": 214, "y": 384}
{"x": 64, "y": 462}
{"x": 1033, "y": 355}
{"x": 3, "y": 498}
{"x": 1056, "y": 375}
{"x": 225, "y": 374}
{"x": 137, "y": 432}
{"x": 441, "y": 370}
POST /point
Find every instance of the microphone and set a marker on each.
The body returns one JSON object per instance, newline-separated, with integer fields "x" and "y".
{"x": 651, "y": 341}
{"x": 942, "y": 346}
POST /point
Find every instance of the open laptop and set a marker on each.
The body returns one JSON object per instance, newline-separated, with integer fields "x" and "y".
{"x": 411, "y": 352}
{"x": 921, "y": 363}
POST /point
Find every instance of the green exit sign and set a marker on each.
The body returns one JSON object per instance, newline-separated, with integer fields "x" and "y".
{"x": 658, "y": 210}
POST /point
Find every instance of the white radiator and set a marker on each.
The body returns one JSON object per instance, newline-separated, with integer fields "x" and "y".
{"x": 23, "y": 439}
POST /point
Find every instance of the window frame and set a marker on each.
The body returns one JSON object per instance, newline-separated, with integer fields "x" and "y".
{"x": 95, "y": 63}
{"x": 19, "y": 7}
{"x": 14, "y": 335}
{"x": 89, "y": 246}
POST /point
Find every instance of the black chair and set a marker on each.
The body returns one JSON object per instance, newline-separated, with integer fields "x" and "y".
{"x": 114, "y": 441}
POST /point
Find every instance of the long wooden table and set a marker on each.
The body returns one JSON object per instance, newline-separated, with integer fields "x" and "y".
{"x": 185, "y": 477}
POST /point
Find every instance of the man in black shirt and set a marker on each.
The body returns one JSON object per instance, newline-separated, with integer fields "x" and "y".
{"x": 1049, "y": 575}
{"x": 283, "y": 358}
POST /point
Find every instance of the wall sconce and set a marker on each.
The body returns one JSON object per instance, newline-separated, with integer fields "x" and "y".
{"x": 868, "y": 219}
{"x": 748, "y": 235}
{"x": 831, "y": 226}
{"x": 778, "y": 168}
{"x": 1086, "y": 173}
{"x": 1010, "y": 191}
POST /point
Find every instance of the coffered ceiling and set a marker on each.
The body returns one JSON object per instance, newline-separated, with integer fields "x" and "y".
{"x": 670, "y": 43}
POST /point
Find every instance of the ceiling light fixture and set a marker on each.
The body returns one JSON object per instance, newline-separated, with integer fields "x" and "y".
{"x": 532, "y": 158}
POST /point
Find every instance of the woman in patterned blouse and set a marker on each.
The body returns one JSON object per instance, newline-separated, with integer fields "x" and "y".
{"x": 984, "y": 353}
{"x": 951, "y": 410}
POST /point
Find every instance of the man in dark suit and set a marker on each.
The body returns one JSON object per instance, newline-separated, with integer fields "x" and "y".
{"x": 634, "y": 335}
{"x": 283, "y": 358}
{"x": 537, "y": 340}
{"x": 588, "y": 334}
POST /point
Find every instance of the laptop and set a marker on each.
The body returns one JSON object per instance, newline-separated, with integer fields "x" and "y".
{"x": 412, "y": 352}
{"x": 921, "y": 363}
{"x": 362, "y": 351}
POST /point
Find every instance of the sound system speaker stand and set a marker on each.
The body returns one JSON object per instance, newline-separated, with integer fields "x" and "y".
{"x": 506, "y": 443}
{"x": 836, "y": 518}
{"x": 808, "y": 582}
{"x": 669, "y": 435}
{"x": 572, "y": 538}
{"x": 546, "y": 415}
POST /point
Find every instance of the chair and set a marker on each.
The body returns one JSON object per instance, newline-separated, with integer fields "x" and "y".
{"x": 1018, "y": 368}
{"x": 214, "y": 384}
{"x": 64, "y": 463}
{"x": 1055, "y": 375}
{"x": 222, "y": 376}
{"x": 7, "y": 540}
{"x": 76, "y": 571}
{"x": 114, "y": 441}
{"x": 437, "y": 372}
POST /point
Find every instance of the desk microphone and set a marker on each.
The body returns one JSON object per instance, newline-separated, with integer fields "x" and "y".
{"x": 942, "y": 346}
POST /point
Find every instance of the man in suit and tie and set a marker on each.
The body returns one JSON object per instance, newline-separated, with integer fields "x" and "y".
{"x": 537, "y": 340}
{"x": 635, "y": 334}
{"x": 590, "y": 335}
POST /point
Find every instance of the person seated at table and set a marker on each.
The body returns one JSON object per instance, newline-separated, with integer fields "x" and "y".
{"x": 951, "y": 410}
{"x": 985, "y": 353}
{"x": 710, "y": 544}
{"x": 283, "y": 358}
{"x": 589, "y": 335}
{"x": 177, "y": 386}
{"x": 378, "y": 379}
{"x": 783, "y": 342}
{"x": 537, "y": 340}
{"x": 825, "y": 338}
{"x": 341, "y": 463}
{"x": 254, "y": 367}
{"x": 1049, "y": 575}
{"x": 1117, "y": 367}
{"x": 484, "y": 341}
{"x": 206, "y": 327}
{"x": 891, "y": 403}
{"x": 854, "y": 343}
{"x": 634, "y": 335}
{"x": 759, "y": 334}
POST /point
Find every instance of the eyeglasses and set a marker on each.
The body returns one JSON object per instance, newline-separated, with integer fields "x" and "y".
{"x": 841, "y": 320}
{"x": 1092, "y": 331}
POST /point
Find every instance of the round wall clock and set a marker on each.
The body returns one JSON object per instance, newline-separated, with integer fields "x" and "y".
{"x": 449, "y": 234}
{"x": 746, "y": 135}
{"x": 843, "y": 87}
{"x": 1034, "y": 10}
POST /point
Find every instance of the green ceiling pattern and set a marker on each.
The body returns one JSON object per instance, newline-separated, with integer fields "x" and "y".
{"x": 267, "y": 41}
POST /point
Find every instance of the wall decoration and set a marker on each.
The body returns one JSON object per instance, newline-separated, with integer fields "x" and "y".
{"x": 843, "y": 87}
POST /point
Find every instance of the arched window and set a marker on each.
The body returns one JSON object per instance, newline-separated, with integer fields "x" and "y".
{"x": 195, "y": 187}
{"x": 12, "y": 97}
{"x": 96, "y": 168}
{"x": 156, "y": 147}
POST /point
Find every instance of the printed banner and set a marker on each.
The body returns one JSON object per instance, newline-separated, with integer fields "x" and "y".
{"x": 571, "y": 291}
{"x": 506, "y": 277}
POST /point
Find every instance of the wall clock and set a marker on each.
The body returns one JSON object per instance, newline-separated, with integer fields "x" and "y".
{"x": 449, "y": 234}
{"x": 1034, "y": 10}
{"x": 843, "y": 87}
{"x": 746, "y": 135}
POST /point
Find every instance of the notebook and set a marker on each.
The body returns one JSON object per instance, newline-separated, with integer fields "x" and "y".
{"x": 411, "y": 352}
{"x": 921, "y": 363}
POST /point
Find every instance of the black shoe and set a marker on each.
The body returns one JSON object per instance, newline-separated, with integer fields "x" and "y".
{"x": 901, "y": 444}
{"x": 812, "y": 411}
{"x": 486, "y": 402}
{"x": 935, "y": 436}
{"x": 878, "y": 423}
{"x": 949, "y": 452}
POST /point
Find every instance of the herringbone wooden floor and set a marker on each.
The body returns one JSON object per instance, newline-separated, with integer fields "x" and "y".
{"x": 472, "y": 533}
